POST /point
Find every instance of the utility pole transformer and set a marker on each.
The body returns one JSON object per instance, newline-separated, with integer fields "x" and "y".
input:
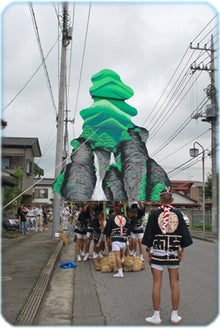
{"x": 66, "y": 38}
{"x": 211, "y": 117}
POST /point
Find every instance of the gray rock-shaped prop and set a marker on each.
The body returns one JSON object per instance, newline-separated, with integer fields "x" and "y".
{"x": 80, "y": 178}
{"x": 103, "y": 160}
{"x": 113, "y": 185}
{"x": 134, "y": 158}
{"x": 155, "y": 175}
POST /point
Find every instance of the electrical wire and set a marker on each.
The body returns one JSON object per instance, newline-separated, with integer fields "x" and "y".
{"x": 30, "y": 78}
{"x": 42, "y": 56}
{"x": 161, "y": 108}
{"x": 181, "y": 167}
{"x": 182, "y": 146}
{"x": 83, "y": 58}
{"x": 170, "y": 80}
{"x": 60, "y": 164}
{"x": 196, "y": 37}
{"x": 180, "y": 129}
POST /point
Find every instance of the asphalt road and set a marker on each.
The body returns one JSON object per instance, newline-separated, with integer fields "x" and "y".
{"x": 128, "y": 301}
{"x": 84, "y": 296}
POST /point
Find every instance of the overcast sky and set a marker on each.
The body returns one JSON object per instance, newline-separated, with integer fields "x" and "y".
{"x": 147, "y": 44}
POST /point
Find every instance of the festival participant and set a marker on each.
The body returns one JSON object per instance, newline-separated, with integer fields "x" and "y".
{"x": 166, "y": 236}
{"x": 108, "y": 238}
{"x": 89, "y": 229}
{"x": 81, "y": 231}
{"x": 137, "y": 229}
{"x": 98, "y": 236}
{"x": 118, "y": 229}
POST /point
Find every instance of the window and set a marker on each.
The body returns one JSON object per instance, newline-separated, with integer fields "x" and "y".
{"x": 5, "y": 162}
{"x": 40, "y": 193}
{"x": 28, "y": 167}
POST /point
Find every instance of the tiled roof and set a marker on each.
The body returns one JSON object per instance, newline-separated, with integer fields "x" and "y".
{"x": 19, "y": 142}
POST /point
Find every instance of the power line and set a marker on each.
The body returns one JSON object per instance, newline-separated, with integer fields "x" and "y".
{"x": 183, "y": 146}
{"x": 180, "y": 129}
{"x": 161, "y": 108}
{"x": 204, "y": 28}
{"x": 83, "y": 58}
{"x": 182, "y": 167}
{"x": 42, "y": 56}
{"x": 30, "y": 78}
{"x": 171, "y": 78}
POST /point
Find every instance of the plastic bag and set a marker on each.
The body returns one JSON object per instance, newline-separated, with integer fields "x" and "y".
{"x": 68, "y": 265}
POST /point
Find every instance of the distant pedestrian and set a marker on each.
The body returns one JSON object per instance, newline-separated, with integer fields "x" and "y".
{"x": 31, "y": 218}
{"x": 45, "y": 218}
{"x": 39, "y": 219}
{"x": 166, "y": 236}
{"x": 65, "y": 214}
{"x": 118, "y": 229}
{"x": 21, "y": 215}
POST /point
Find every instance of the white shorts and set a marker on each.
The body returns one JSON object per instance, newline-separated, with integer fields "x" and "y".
{"x": 89, "y": 234}
{"x": 81, "y": 236}
{"x": 118, "y": 245}
{"x": 161, "y": 267}
{"x": 137, "y": 236}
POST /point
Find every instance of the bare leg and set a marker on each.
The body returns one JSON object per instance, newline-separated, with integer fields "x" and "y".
{"x": 174, "y": 286}
{"x": 118, "y": 258}
{"x": 157, "y": 283}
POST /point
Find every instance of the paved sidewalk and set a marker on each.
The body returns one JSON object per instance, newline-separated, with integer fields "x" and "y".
{"x": 27, "y": 264}
{"x": 207, "y": 236}
{"x": 71, "y": 298}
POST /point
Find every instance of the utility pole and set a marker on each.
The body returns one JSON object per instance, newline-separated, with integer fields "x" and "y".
{"x": 211, "y": 117}
{"x": 66, "y": 38}
{"x": 66, "y": 121}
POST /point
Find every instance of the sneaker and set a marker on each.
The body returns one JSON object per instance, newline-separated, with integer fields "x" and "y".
{"x": 100, "y": 255}
{"x": 155, "y": 320}
{"x": 142, "y": 258}
{"x": 175, "y": 318}
{"x": 86, "y": 257}
{"x": 79, "y": 258}
{"x": 118, "y": 275}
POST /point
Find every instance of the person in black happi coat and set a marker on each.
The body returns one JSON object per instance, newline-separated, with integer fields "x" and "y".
{"x": 166, "y": 236}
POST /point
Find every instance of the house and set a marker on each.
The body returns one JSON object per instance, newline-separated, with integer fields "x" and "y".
{"x": 188, "y": 188}
{"x": 43, "y": 192}
{"x": 20, "y": 152}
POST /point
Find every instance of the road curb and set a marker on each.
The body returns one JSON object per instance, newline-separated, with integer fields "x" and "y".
{"x": 204, "y": 238}
{"x": 30, "y": 309}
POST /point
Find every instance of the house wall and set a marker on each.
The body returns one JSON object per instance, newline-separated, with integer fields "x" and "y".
{"x": 24, "y": 158}
{"x": 43, "y": 195}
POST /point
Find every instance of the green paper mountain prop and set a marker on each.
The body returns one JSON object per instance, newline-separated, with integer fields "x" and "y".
{"x": 109, "y": 159}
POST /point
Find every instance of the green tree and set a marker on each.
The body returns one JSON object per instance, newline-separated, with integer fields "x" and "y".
{"x": 208, "y": 187}
{"x": 10, "y": 193}
{"x": 38, "y": 171}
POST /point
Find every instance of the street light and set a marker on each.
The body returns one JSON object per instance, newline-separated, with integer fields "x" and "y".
{"x": 194, "y": 152}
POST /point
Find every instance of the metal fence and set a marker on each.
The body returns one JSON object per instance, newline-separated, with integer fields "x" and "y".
{"x": 196, "y": 221}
